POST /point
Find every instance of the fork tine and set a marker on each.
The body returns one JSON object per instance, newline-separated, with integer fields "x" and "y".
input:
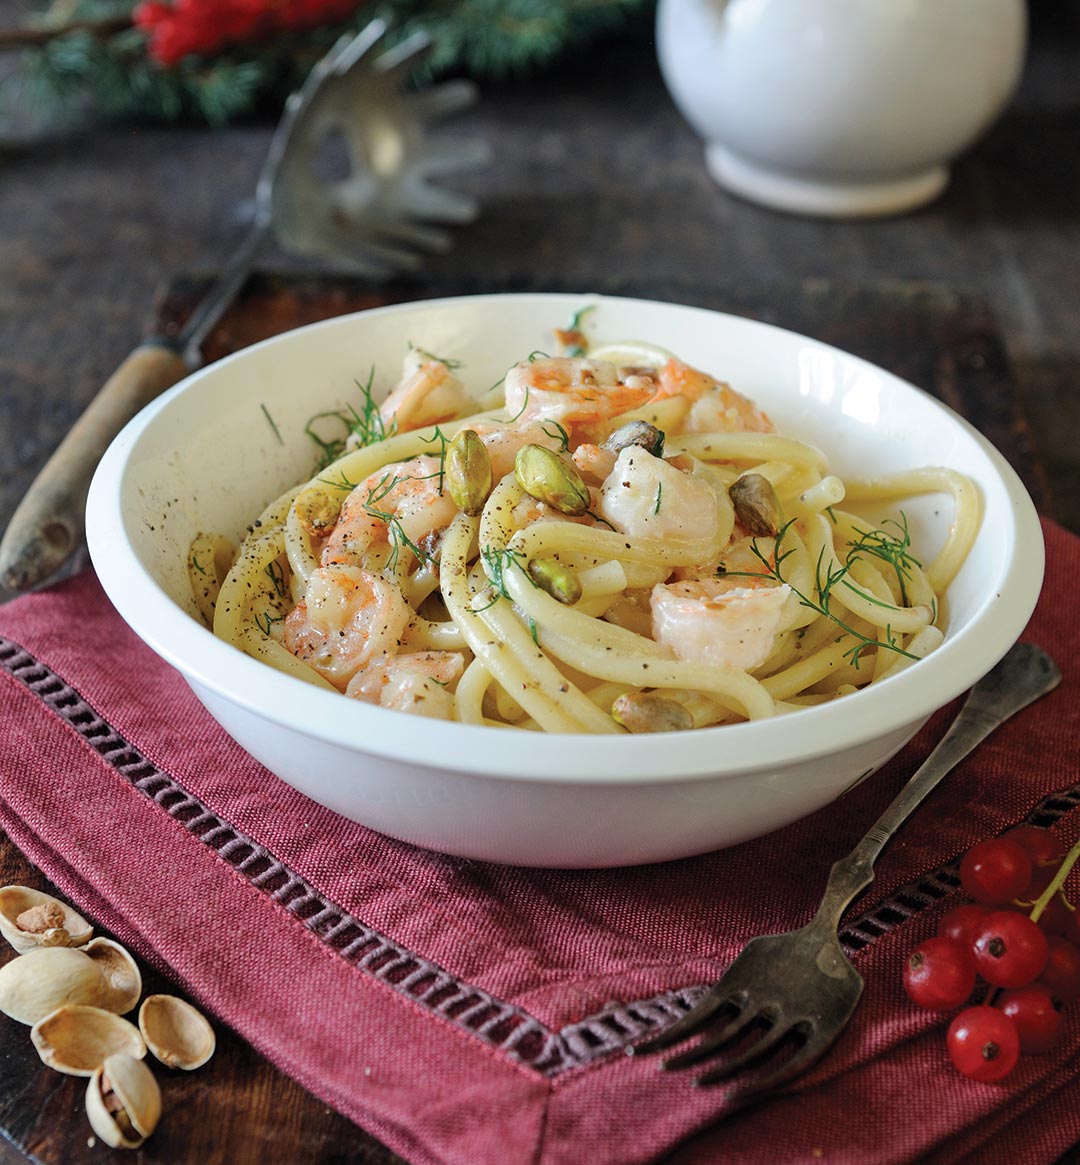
{"x": 712, "y": 1043}
{"x": 757, "y": 1051}
{"x": 762, "y": 1085}
{"x": 692, "y": 1021}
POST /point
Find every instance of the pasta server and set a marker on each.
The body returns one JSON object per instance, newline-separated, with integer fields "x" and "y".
{"x": 376, "y": 220}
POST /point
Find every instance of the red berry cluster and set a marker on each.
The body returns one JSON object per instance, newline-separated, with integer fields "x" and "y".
{"x": 1023, "y": 945}
{"x": 180, "y": 28}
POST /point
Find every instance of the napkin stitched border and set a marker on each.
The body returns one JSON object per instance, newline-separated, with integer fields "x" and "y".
{"x": 507, "y": 1028}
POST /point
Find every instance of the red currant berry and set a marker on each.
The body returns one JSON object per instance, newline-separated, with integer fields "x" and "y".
{"x": 983, "y": 1043}
{"x": 961, "y": 923}
{"x": 996, "y": 871}
{"x": 1010, "y": 949}
{"x": 1038, "y": 1021}
{"x": 1061, "y": 975}
{"x": 940, "y": 974}
{"x": 1057, "y": 916}
{"x": 1043, "y": 846}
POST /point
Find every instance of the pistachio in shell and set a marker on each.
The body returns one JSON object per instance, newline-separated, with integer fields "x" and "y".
{"x": 31, "y": 918}
{"x": 756, "y": 505}
{"x": 77, "y": 1039}
{"x": 557, "y": 580}
{"x": 640, "y": 433}
{"x": 551, "y": 479}
{"x": 123, "y": 1101}
{"x": 467, "y": 471}
{"x": 650, "y": 712}
{"x": 37, "y": 983}
{"x": 178, "y": 1034}
{"x": 123, "y": 981}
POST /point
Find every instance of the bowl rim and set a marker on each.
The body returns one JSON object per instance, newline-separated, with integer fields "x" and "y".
{"x": 904, "y": 701}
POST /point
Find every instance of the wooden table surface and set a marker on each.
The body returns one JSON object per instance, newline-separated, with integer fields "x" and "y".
{"x": 595, "y": 178}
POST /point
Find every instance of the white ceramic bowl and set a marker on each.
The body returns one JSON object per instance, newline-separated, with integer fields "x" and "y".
{"x": 204, "y": 458}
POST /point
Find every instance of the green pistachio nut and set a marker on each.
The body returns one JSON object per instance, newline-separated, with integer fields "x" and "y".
{"x": 559, "y": 581}
{"x": 755, "y": 504}
{"x": 551, "y": 479}
{"x": 468, "y": 472}
{"x": 650, "y": 712}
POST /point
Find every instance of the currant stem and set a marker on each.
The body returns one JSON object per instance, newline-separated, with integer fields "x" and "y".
{"x": 1058, "y": 881}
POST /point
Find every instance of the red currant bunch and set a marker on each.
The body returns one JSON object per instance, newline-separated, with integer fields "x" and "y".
{"x": 1016, "y": 947}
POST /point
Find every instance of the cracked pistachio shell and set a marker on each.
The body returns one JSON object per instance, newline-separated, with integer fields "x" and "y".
{"x": 134, "y": 1087}
{"x": 551, "y": 479}
{"x": 468, "y": 472}
{"x": 53, "y": 923}
{"x": 178, "y": 1034}
{"x": 755, "y": 503}
{"x": 640, "y": 433}
{"x": 37, "y": 983}
{"x": 649, "y": 712}
{"x": 78, "y": 1039}
{"x": 123, "y": 980}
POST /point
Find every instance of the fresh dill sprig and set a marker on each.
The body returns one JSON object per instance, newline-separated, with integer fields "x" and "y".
{"x": 659, "y": 495}
{"x": 560, "y": 435}
{"x": 825, "y": 581}
{"x": 449, "y": 363}
{"x": 343, "y": 483}
{"x": 196, "y": 564}
{"x": 331, "y": 447}
{"x": 270, "y": 620}
{"x": 276, "y": 575}
{"x": 270, "y": 419}
{"x": 574, "y": 327}
{"x": 496, "y": 565}
{"x": 366, "y": 426}
{"x": 892, "y": 549}
{"x": 444, "y": 441}
{"x": 363, "y": 426}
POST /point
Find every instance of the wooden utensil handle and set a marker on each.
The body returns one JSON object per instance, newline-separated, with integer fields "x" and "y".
{"x": 48, "y": 524}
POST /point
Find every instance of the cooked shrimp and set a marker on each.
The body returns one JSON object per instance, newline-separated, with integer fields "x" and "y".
{"x": 573, "y": 391}
{"x": 503, "y": 441}
{"x": 648, "y": 498}
{"x": 346, "y": 618}
{"x": 718, "y": 621}
{"x": 415, "y": 683}
{"x": 714, "y": 406}
{"x": 406, "y": 493}
{"x": 593, "y": 461}
{"x": 426, "y": 394}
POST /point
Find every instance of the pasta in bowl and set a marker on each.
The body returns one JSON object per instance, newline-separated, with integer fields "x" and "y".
{"x": 562, "y": 562}
{"x": 558, "y": 560}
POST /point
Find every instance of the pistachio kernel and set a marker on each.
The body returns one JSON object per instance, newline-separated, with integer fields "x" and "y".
{"x": 467, "y": 471}
{"x": 39, "y": 919}
{"x": 755, "y": 504}
{"x": 649, "y": 712}
{"x": 639, "y": 433}
{"x": 559, "y": 581}
{"x": 551, "y": 479}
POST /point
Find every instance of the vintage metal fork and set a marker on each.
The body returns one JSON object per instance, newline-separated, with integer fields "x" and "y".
{"x": 800, "y": 987}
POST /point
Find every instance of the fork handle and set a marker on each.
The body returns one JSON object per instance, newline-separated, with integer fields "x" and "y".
{"x": 1024, "y": 674}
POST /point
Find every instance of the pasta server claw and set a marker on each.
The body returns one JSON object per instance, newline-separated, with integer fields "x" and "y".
{"x": 376, "y": 219}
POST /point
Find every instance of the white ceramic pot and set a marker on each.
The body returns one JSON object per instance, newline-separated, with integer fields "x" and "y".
{"x": 839, "y": 107}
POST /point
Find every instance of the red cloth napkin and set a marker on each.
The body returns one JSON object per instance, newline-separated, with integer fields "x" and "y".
{"x": 471, "y": 1013}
